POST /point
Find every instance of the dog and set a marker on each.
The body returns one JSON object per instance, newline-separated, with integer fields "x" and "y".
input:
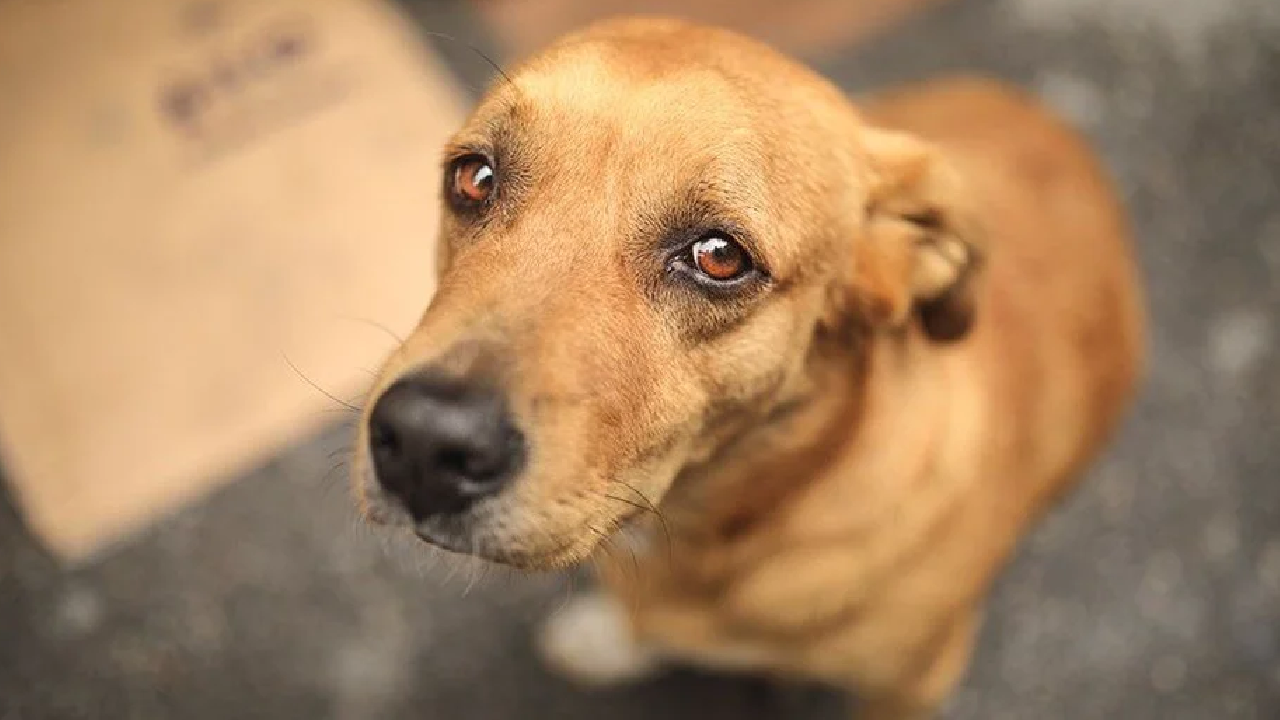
{"x": 796, "y": 373}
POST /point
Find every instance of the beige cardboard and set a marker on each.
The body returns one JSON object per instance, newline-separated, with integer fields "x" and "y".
{"x": 189, "y": 193}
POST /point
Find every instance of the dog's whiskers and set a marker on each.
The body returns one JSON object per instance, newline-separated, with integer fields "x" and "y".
{"x": 625, "y": 501}
{"x": 328, "y": 477}
{"x": 608, "y": 546}
{"x": 496, "y": 68}
{"x": 316, "y": 386}
{"x": 375, "y": 324}
{"x": 478, "y": 568}
{"x": 662, "y": 519}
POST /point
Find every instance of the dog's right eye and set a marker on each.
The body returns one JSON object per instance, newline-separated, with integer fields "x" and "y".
{"x": 471, "y": 181}
{"x": 716, "y": 262}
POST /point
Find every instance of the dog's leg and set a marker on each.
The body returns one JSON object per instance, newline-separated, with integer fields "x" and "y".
{"x": 922, "y": 694}
{"x": 590, "y": 640}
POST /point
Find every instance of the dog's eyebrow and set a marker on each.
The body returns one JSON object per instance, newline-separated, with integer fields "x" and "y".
{"x": 495, "y": 132}
{"x": 718, "y": 195}
{"x": 705, "y": 208}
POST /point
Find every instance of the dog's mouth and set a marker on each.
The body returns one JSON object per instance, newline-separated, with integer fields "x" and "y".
{"x": 562, "y": 554}
{"x": 525, "y": 545}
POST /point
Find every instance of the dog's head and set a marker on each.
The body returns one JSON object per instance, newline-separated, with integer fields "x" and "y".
{"x": 648, "y": 229}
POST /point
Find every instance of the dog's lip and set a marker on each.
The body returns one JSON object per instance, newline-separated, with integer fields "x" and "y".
{"x": 567, "y": 551}
{"x": 450, "y": 542}
{"x": 446, "y": 541}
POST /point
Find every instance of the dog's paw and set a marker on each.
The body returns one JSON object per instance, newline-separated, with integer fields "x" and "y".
{"x": 589, "y": 641}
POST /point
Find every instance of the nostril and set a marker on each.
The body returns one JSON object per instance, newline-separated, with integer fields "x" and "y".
{"x": 455, "y": 460}
{"x": 475, "y": 462}
{"x": 383, "y": 439}
{"x": 480, "y": 467}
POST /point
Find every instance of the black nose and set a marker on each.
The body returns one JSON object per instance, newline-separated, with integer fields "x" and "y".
{"x": 439, "y": 445}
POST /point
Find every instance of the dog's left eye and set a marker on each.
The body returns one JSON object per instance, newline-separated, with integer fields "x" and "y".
{"x": 718, "y": 258}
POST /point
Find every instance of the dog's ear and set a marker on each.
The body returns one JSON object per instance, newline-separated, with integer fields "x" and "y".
{"x": 922, "y": 244}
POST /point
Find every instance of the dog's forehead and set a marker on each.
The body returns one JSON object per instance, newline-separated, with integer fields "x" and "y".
{"x": 581, "y": 93}
{"x": 580, "y": 77}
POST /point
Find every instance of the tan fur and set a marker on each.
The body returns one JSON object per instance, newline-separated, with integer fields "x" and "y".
{"x": 843, "y": 460}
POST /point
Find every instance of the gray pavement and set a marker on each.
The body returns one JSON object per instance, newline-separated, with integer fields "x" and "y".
{"x": 1153, "y": 594}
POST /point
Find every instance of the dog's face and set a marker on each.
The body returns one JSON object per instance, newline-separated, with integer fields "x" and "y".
{"x": 644, "y": 231}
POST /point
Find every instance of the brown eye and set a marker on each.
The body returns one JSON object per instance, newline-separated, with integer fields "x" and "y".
{"x": 473, "y": 179}
{"x": 720, "y": 259}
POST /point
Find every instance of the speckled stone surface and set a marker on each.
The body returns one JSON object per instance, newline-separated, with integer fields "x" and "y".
{"x": 1153, "y": 594}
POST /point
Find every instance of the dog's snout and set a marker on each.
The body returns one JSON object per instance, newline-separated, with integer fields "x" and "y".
{"x": 439, "y": 445}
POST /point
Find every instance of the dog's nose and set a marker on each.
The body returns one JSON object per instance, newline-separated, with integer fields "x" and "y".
{"x": 439, "y": 445}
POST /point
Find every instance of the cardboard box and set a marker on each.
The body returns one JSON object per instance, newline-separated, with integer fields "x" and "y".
{"x": 190, "y": 193}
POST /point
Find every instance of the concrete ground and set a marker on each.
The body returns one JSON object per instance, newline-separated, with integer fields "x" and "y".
{"x": 1154, "y": 594}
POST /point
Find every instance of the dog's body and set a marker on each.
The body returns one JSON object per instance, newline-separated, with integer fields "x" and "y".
{"x": 853, "y": 542}
{"x": 945, "y": 327}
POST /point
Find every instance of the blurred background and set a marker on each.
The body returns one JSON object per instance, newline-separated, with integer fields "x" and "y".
{"x": 233, "y": 580}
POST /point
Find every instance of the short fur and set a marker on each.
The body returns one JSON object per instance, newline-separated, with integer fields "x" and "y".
{"x": 843, "y": 457}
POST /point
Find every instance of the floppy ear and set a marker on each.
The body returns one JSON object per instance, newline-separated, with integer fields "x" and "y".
{"x": 922, "y": 245}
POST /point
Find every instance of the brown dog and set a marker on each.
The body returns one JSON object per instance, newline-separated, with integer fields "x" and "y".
{"x": 849, "y": 357}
